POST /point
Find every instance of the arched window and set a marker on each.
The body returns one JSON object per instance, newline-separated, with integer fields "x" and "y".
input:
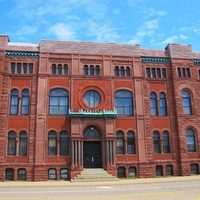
{"x": 85, "y": 70}
{"x": 25, "y": 102}
{"x": 14, "y": 102}
{"x": 124, "y": 102}
{"x": 116, "y": 71}
{"x": 122, "y": 71}
{"x": 91, "y": 70}
{"x": 59, "y": 69}
{"x": 153, "y": 104}
{"x": 52, "y": 143}
{"x": 11, "y": 143}
{"x": 156, "y": 142}
{"x": 64, "y": 143}
{"x": 163, "y": 104}
{"x": 64, "y": 174}
{"x": 159, "y": 170}
{"x": 52, "y": 174}
{"x": 120, "y": 142}
{"x": 97, "y": 69}
{"x": 91, "y": 132}
{"x": 128, "y": 72}
{"x": 23, "y": 143}
{"x": 92, "y": 98}
{"x": 165, "y": 142}
{"x": 53, "y": 69}
{"x": 65, "y": 69}
{"x": 21, "y": 174}
{"x": 190, "y": 138}
{"x": 10, "y": 174}
{"x": 58, "y": 102}
{"x": 186, "y": 99}
{"x": 131, "y": 142}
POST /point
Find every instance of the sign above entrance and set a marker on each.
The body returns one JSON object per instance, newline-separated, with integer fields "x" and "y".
{"x": 102, "y": 114}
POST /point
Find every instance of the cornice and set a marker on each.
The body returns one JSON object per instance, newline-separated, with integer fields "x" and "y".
{"x": 197, "y": 61}
{"x": 22, "y": 54}
{"x": 155, "y": 60}
{"x": 57, "y": 59}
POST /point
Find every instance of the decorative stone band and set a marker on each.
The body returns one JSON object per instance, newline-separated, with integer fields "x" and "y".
{"x": 197, "y": 61}
{"x": 155, "y": 60}
{"x": 102, "y": 114}
{"x": 24, "y": 54}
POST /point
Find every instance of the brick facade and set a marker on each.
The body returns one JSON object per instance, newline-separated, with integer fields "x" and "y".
{"x": 172, "y": 71}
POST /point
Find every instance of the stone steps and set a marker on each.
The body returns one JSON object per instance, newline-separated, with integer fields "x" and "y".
{"x": 94, "y": 174}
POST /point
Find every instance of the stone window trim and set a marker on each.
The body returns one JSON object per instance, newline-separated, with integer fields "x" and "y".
{"x": 20, "y": 142}
{"x": 158, "y": 104}
{"x": 122, "y": 71}
{"x": 59, "y": 137}
{"x": 156, "y": 72}
{"x": 91, "y": 70}
{"x": 22, "y": 68}
{"x": 161, "y": 142}
{"x": 183, "y": 72}
{"x": 19, "y": 101}
{"x": 91, "y": 88}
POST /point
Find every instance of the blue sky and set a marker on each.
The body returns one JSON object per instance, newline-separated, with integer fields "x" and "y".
{"x": 150, "y": 23}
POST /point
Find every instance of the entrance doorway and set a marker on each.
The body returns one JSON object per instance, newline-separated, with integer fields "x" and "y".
{"x": 92, "y": 154}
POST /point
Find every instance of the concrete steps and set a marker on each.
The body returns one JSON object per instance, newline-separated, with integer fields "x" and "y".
{"x": 94, "y": 174}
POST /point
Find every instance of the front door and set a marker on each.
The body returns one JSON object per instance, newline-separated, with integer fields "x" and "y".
{"x": 92, "y": 155}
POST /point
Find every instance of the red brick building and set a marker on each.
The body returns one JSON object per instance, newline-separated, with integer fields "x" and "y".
{"x": 66, "y": 106}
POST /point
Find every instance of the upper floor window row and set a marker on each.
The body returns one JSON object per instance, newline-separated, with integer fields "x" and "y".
{"x": 156, "y": 72}
{"x": 122, "y": 71}
{"x": 183, "y": 72}
{"x": 91, "y": 70}
{"x": 59, "y": 69}
{"x": 19, "y": 102}
{"x": 21, "y": 68}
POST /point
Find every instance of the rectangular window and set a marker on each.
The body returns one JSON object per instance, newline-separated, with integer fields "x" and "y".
{"x": 25, "y": 68}
{"x": 153, "y": 72}
{"x": 164, "y": 73}
{"x": 148, "y": 74}
{"x": 12, "y": 68}
{"x": 158, "y": 73}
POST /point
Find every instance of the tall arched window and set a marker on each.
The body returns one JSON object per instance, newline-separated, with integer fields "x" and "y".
{"x": 14, "y": 102}
{"x": 120, "y": 142}
{"x": 25, "y": 102}
{"x": 128, "y": 72}
{"x": 64, "y": 143}
{"x": 59, "y": 69}
{"x": 58, "y": 102}
{"x": 124, "y": 102}
{"x": 190, "y": 138}
{"x": 11, "y": 143}
{"x": 65, "y": 69}
{"x": 163, "y": 104}
{"x": 156, "y": 142}
{"x": 122, "y": 71}
{"x": 131, "y": 142}
{"x": 97, "y": 69}
{"x": 153, "y": 104}
{"x": 53, "y": 69}
{"x": 85, "y": 70}
{"x": 91, "y": 70}
{"x": 165, "y": 142}
{"x": 52, "y": 143}
{"x": 116, "y": 71}
{"x": 23, "y": 143}
{"x": 186, "y": 99}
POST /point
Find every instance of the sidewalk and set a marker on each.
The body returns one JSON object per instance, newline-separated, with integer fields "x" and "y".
{"x": 120, "y": 182}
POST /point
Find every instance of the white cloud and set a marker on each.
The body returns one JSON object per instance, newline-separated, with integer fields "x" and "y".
{"x": 116, "y": 11}
{"x": 183, "y": 37}
{"x": 168, "y": 40}
{"x": 63, "y": 32}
